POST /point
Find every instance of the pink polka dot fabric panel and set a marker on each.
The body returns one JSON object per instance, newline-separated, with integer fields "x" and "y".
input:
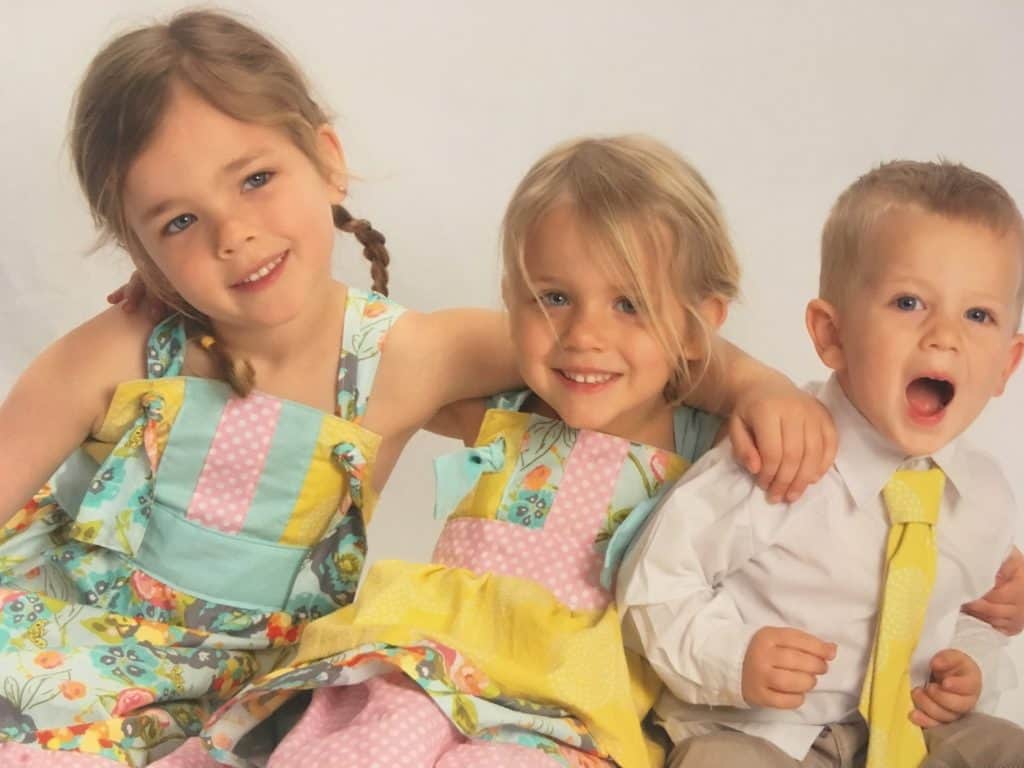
{"x": 227, "y": 484}
{"x": 560, "y": 555}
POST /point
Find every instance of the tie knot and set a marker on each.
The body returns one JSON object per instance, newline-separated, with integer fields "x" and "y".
{"x": 914, "y": 495}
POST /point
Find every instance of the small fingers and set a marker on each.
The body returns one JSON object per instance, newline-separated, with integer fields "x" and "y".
{"x": 957, "y": 687}
{"x": 792, "y": 660}
{"x": 792, "y": 456}
{"x": 802, "y": 641}
{"x": 743, "y": 448}
{"x": 768, "y": 438}
{"x": 921, "y": 720}
{"x": 807, "y": 472}
{"x": 926, "y": 702}
{"x": 829, "y": 445}
{"x": 784, "y": 681}
{"x": 988, "y": 611}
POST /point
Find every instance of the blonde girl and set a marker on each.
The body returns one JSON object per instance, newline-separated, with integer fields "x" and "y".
{"x": 238, "y": 446}
{"x": 505, "y": 649}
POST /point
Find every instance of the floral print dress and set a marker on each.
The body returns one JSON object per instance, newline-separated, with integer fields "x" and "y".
{"x": 138, "y": 596}
{"x": 511, "y": 630}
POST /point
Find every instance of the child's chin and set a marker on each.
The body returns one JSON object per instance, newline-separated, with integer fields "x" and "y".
{"x": 924, "y": 441}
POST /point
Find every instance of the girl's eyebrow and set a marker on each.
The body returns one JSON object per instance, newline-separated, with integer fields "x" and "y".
{"x": 240, "y": 162}
{"x": 229, "y": 168}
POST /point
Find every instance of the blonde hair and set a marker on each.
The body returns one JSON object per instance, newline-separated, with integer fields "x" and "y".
{"x": 628, "y": 191}
{"x": 944, "y": 188}
{"x": 238, "y": 71}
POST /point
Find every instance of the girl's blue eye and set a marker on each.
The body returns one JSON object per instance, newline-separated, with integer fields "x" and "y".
{"x": 626, "y": 305}
{"x": 179, "y": 224}
{"x": 978, "y": 315}
{"x": 258, "y": 179}
{"x": 907, "y": 303}
{"x": 554, "y": 299}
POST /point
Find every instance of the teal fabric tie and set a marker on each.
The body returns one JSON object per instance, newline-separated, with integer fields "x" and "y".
{"x": 455, "y": 474}
{"x": 623, "y": 536}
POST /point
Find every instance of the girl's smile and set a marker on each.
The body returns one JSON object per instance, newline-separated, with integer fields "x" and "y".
{"x": 263, "y": 276}
{"x": 238, "y": 223}
{"x": 585, "y": 347}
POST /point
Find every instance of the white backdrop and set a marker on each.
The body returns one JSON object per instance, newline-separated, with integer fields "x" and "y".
{"x": 442, "y": 106}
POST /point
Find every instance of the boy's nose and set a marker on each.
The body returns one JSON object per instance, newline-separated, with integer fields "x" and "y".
{"x": 942, "y": 335}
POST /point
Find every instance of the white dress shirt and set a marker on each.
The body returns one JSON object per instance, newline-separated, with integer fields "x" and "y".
{"x": 717, "y": 563}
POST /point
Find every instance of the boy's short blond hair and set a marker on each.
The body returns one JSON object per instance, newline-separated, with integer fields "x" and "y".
{"x": 944, "y": 188}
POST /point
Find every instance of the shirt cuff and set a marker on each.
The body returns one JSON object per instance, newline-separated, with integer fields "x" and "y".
{"x": 719, "y": 654}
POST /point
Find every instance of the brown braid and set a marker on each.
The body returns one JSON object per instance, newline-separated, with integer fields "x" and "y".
{"x": 373, "y": 245}
{"x": 237, "y": 372}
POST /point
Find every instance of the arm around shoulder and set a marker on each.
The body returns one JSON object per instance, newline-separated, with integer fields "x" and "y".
{"x": 61, "y": 397}
{"x": 431, "y": 360}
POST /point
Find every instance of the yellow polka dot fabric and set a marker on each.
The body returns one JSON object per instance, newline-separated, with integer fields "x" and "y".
{"x": 912, "y": 498}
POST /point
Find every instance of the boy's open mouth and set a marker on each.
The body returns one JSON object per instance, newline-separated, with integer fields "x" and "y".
{"x": 928, "y": 396}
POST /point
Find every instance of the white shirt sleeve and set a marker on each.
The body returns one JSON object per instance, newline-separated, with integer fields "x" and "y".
{"x": 692, "y": 633}
{"x": 985, "y": 645}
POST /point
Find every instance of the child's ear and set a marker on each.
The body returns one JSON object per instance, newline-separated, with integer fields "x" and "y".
{"x": 332, "y": 157}
{"x": 714, "y": 310}
{"x": 1013, "y": 359}
{"x": 823, "y": 324}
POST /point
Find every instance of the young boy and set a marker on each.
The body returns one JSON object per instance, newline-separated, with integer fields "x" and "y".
{"x": 789, "y": 634}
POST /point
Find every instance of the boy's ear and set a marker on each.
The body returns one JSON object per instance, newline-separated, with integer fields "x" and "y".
{"x": 1013, "y": 359}
{"x": 823, "y": 325}
{"x": 332, "y": 156}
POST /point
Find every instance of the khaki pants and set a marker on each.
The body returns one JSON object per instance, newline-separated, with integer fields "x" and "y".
{"x": 974, "y": 741}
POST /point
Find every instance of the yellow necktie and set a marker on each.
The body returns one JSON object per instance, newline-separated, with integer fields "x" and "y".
{"x": 912, "y": 498}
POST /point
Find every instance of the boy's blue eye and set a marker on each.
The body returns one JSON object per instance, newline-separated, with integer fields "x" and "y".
{"x": 978, "y": 315}
{"x": 258, "y": 179}
{"x": 554, "y": 299}
{"x": 179, "y": 224}
{"x": 626, "y": 305}
{"x": 907, "y": 303}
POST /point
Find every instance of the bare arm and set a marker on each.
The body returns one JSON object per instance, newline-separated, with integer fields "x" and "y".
{"x": 433, "y": 360}
{"x": 59, "y": 399}
{"x": 460, "y": 420}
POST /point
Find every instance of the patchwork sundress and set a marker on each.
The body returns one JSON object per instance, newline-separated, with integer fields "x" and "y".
{"x": 214, "y": 529}
{"x": 511, "y": 630}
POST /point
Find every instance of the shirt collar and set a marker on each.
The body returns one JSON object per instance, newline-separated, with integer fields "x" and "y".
{"x": 866, "y": 460}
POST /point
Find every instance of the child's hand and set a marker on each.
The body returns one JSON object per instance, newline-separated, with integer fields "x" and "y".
{"x": 952, "y": 693}
{"x": 134, "y": 295}
{"x": 1003, "y": 605}
{"x": 781, "y": 665}
{"x": 784, "y": 436}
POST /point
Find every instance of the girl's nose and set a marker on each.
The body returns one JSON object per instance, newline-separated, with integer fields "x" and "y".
{"x": 233, "y": 237}
{"x": 584, "y": 331}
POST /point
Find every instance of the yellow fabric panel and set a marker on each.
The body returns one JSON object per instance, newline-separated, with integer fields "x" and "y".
{"x": 645, "y": 685}
{"x": 572, "y": 659}
{"x": 125, "y": 408}
{"x": 485, "y": 499}
{"x": 97, "y": 450}
{"x": 314, "y": 508}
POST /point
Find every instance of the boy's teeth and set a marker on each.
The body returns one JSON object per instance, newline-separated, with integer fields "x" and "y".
{"x": 263, "y": 271}
{"x": 588, "y": 378}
